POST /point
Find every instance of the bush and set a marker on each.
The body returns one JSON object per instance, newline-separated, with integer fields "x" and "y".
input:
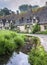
{"x": 19, "y": 41}
{"x": 37, "y": 55}
{"x": 6, "y": 42}
{"x": 23, "y": 36}
{"x": 10, "y": 41}
{"x": 36, "y": 28}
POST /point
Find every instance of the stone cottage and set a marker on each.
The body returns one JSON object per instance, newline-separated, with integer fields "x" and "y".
{"x": 24, "y": 21}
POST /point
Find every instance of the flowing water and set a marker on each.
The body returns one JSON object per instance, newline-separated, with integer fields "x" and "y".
{"x": 17, "y": 59}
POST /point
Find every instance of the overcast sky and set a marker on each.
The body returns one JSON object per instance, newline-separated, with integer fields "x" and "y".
{"x": 13, "y": 4}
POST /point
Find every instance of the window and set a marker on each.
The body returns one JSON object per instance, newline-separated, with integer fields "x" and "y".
{"x": 27, "y": 20}
{"x": 22, "y": 18}
{"x": 27, "y": 26}
{"x": 38, "y": 19}
{"x": 20, "y": 21}
{"x": 6, "y": 27}
{"x": 45, "y": 27}
{"x": 34, "y": 20}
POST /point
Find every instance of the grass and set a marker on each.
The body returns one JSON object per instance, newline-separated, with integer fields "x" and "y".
{"x": 37, "y": 55}
{"x": 42, "y": 32}
{"x": 10, "y": 41}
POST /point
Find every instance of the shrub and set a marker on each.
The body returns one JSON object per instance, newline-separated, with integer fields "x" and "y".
{"x": 6, "y": 42}
{"x": 36, "y": 28}
{"x": 9, "y": 41}
{"x": 23, "y": 36}
{"x": 37, "y": 55}
{"x": 19, "y": 41}
{"x": 9, "y": 46}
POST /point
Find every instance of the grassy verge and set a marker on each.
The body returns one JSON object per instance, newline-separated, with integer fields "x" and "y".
{"x": 42, "y": 32}
{"x": 37, "y": 55}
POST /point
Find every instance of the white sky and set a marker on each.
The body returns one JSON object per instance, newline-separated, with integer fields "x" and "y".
{"x": 13, "y": 4}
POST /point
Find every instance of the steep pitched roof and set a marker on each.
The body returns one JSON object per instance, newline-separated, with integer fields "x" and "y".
{"x": 42, "y": 14}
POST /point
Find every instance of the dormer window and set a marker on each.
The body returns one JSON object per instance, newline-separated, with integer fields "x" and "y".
{"x": 28, "y": 20}
{"x": 38, "y": 19}
{"x": 4, "y": 21}
{"x": 34, "y": 20}
{"x": 22, "y": 18}
{"x": 20, "y": 21}
{"x": 11, "y": 21}
{"x": 0, "y": 21}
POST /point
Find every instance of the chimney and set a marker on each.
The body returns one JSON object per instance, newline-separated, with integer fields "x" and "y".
{"x": 46, "y": 3}
{"x": 17, "y": 12}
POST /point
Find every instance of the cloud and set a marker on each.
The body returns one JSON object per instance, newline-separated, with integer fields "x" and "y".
{"x": 13, "y": 4}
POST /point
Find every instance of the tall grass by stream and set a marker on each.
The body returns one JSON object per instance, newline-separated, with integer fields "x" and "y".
{"x": 10, "y": 41}
{"x": 37, "y": 55}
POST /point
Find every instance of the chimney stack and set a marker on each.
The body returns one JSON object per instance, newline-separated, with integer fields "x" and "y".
{"x": 17, "y": 12}
{"x": 46, "y": 3}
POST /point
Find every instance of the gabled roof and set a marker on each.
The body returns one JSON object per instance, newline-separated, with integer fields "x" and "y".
{"x": 17, "y": 16}
{"x": 42, "y": 14}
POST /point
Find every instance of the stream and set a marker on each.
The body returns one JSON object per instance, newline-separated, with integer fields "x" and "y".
{"x": 17, "y": 59}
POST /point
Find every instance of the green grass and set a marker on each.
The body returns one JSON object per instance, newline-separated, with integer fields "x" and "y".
{"x": 37, "y": 55}
{"x": 10, "y": 41}
{"x": 42, "y": 32}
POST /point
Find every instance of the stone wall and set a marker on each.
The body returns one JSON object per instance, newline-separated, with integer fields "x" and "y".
{"x": 43, "y": 27}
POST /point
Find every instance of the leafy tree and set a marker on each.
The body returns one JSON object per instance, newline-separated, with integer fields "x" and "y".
{"x": 25, "y": 7}
{"x": 5, "y": 11}
{"x": 35, "y": 6}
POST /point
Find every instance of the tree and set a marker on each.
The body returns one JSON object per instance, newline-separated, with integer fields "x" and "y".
{"x": 5, "y": 11}
{"x": 25, "y": 7}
